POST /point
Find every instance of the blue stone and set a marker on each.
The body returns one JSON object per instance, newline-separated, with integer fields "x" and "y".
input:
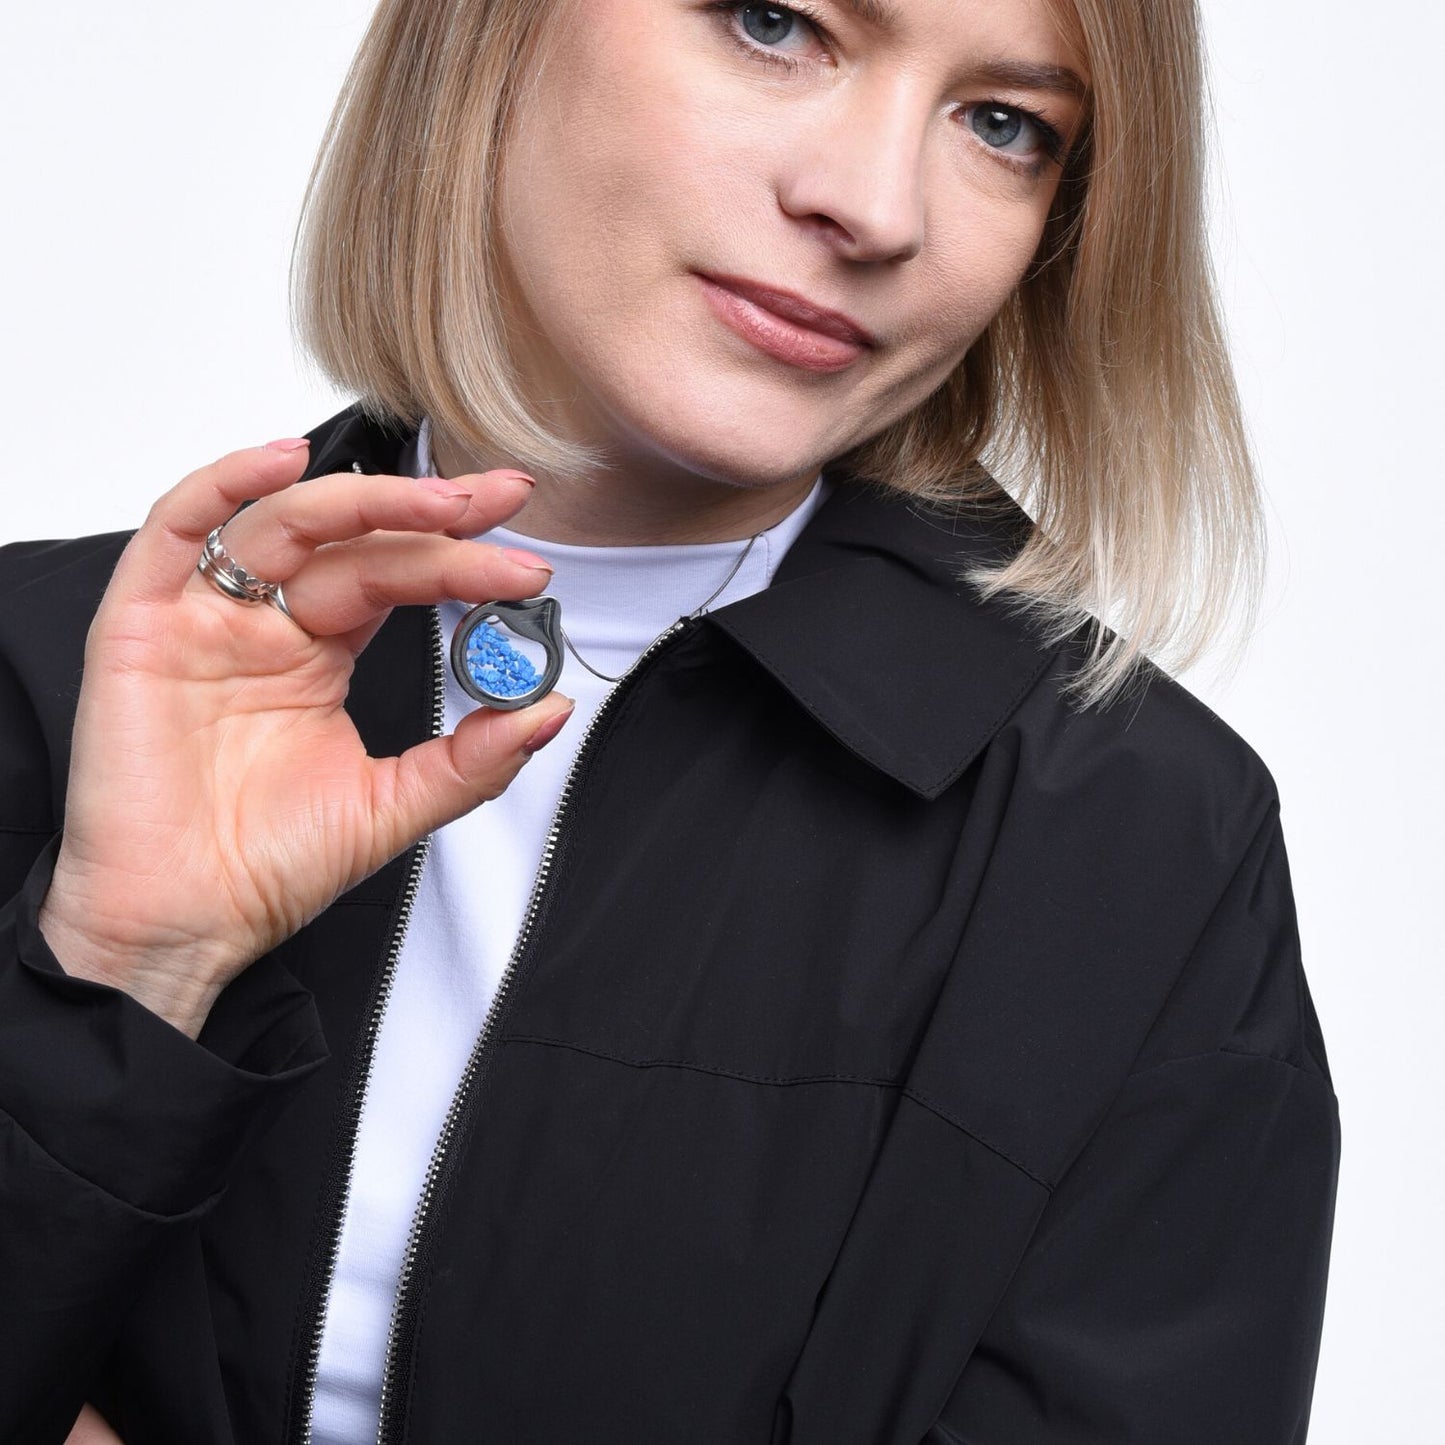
{"x": 496, "y": 666}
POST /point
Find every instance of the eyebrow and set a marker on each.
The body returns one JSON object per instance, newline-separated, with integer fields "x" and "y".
{"x": 877, "y": 13}
{"x": 1029, "y": 75}
{"x": 1023, "y": 74}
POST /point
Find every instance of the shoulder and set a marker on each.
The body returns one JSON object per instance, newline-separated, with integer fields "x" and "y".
{"x": 1152, "y": 805}
{"x": 1131, "y": 908}
{"x": 1162, "y": 826}
{"x": 53, "y": 570}
{"x": 49, "y": 591}
{"x": 875, "y": 626}
{"x": 1156, "y": 762}
{"x": 1149, "y": 803}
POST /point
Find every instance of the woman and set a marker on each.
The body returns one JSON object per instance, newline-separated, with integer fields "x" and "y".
{"x": 884, "y": 1022}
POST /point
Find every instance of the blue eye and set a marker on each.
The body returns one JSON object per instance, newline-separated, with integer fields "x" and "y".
{"x": 1018, "y": 136}
{"x": 1013, "y": 131}
{"x": 998, "y": 125}
{"x": 760, "y": 31}
{"x": 775, "y": 18}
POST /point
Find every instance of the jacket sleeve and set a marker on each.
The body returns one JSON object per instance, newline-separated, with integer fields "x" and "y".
{"x": 117, "y": 1131}
{"x": 117, "y": 1135}
{"x": 1174, "y": 1290}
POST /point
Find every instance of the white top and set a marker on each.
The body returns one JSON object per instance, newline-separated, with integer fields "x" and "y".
{"x": 467, "y": 914}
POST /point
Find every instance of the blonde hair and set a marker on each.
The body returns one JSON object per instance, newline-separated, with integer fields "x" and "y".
{"x": 1101, "y": 395}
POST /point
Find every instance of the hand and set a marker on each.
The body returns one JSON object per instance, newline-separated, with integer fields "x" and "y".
{"x": 219, "y": 795}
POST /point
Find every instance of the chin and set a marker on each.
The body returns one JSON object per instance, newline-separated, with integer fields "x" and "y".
{"x": 713, "y": 432}
{"x": 753, "y": 461}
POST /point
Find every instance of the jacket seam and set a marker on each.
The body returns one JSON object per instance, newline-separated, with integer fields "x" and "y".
{"x": 301, "y": 1049}
{"x": 1237, "y": 1053}
{"x": 27, "y": 832}
{"x": 938, "y": 1109}
{"x": 947, "y": 1436}
{"x": 150, "y": 1215}
{"x": 908, "y": 1090}
{"x": 752, "y": 1078}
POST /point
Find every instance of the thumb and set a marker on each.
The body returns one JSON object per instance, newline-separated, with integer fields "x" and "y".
{"x": 443, "y": 778}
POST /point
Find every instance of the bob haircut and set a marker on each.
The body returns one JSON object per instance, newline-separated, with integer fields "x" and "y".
{"x": 1101, "y": 395}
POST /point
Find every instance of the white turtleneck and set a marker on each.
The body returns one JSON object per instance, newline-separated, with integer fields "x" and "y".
{"x": 473, "y": 891}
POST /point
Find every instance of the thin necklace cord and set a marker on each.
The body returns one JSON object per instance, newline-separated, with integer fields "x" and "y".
{"x": 697, "y": 612}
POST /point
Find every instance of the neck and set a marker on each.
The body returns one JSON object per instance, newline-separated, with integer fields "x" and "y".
{"x": 634, "y": 507}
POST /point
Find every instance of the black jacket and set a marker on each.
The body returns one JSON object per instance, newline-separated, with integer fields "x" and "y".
{"x": 896, "y": 1054}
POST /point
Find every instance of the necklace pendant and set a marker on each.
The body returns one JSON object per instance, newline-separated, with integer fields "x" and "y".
{"x": 489, "y": 666}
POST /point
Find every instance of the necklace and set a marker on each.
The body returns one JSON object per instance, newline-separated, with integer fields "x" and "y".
{"x": 488, "y": 666}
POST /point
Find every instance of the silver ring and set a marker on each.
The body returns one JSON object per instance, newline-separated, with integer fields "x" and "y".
{"x": 277, "y": 598}
{"x": 228, "y": 576}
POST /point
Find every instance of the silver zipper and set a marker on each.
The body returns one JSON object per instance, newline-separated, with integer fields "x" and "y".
{"x": 389, "y": 1382}
{"x": 373, "y": 1025}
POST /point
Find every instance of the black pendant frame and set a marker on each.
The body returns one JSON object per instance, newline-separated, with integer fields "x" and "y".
{"x": 536, "y": 619}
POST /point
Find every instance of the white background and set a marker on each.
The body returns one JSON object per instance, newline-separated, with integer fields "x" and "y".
{"x": 154, "y": 159}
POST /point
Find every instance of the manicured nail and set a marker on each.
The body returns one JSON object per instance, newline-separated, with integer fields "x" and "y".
{"x": 288, "y": 444}
{"x": 528, "y": 559}
{"x": 507, "y": 472}
{"x": 443, "y": 487}
{"x": 546, "y": 732}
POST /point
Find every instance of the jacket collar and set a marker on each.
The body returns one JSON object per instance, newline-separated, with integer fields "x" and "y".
{"x": 866, "y": 623}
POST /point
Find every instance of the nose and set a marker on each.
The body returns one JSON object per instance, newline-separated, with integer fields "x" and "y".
{"x": 857, "y": 174}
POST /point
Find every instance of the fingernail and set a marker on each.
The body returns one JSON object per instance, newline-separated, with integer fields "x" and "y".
{"x": 546, "y": 732}
{"x": 442, "y": 486}
{"x": 288, "y": 444}
{"x": 527, "y": 559}
{"x": 505, "y": 472}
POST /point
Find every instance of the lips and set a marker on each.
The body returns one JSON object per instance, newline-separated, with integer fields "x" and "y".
{"x": 785, "y": 326}
{"x": 797, "y": 309}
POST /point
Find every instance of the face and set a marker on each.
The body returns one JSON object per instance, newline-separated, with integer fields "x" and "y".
{"x": 677, "y": 155}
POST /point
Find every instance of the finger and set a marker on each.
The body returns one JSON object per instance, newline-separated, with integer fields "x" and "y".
{"x": 481, "y": 516}
{"x": 275, "y": 538}
{"x": 349, "y": 585}
{"x": 440, "y": 780}
{"x": 161, "y": 556}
